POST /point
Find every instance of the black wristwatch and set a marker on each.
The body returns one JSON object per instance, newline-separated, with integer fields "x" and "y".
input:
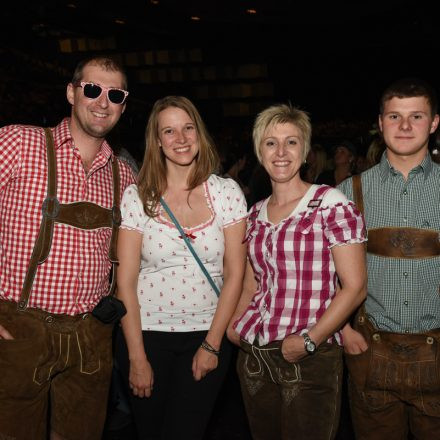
{"x": 309, "y": 345}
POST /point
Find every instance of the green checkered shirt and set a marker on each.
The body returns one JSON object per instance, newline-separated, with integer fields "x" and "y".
{"x": 403, "y": 294}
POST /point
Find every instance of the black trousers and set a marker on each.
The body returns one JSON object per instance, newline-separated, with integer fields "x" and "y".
{"x": 179, "y": 407}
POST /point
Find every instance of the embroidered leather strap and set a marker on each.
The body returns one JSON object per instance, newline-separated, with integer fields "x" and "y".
{"x": 410, "y": 243}
{"x": 83, "y": 215}
{"x": 391, "y": 242}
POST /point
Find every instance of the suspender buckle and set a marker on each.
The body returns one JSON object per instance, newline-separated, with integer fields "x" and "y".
{"x": 116, "y": 215}
{"x": 51, "y": 207}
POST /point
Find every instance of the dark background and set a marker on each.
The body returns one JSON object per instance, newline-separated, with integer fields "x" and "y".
{"x": 332, "y": 59}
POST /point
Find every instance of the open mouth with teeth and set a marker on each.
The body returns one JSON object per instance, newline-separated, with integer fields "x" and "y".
{"x": 182, "y": 149}
{"x": 284, "y": 163}
{"x": 99, "y": 115}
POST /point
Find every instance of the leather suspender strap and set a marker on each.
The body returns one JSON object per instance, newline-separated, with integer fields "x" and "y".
{"x": 357, "y": 193}
{"x": 84, "y": 215}
{"x": 44, "y": 238}
{"x": 116, "y": 211}
{"x": 51, "y": 205}
{"x": 116, "y": 221}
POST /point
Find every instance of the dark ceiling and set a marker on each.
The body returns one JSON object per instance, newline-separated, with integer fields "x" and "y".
{"x": 331, "y": 58}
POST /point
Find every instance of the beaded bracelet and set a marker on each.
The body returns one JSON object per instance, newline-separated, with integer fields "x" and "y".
{"x": 208, "y": 347}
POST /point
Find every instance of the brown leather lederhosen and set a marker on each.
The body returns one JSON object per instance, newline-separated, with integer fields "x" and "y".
{"x": 83, "y": 215}
{"x": 396, "y": 364}
{"x": 394, "y": 385}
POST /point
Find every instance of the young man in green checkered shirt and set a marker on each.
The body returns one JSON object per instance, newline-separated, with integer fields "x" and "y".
{"x": 392, "y": 350}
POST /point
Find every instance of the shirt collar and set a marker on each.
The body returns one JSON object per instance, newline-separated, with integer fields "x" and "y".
{"x": 62, "y": 135}
{"x": 386, "y": 169}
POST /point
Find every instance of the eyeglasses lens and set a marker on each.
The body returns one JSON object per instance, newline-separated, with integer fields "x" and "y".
{"x": 116, "y": 96}
{"x": 93, "y": 91}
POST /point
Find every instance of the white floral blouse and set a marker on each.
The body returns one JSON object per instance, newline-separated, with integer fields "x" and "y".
{"x": 173, "y": 292}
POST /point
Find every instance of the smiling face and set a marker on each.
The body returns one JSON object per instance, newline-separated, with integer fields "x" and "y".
{"x": 177, "y": 137}
{"x": 282, "y": 151}
{"x": 95, "y": 117}
{"x": 406, "y": 124}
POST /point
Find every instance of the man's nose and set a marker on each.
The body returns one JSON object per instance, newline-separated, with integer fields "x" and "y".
{"x": 405, "y": 124}
{"x": 103, "y": 100}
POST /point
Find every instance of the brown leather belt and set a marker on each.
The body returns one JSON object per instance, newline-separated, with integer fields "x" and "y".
{"x": 404, "y": 242}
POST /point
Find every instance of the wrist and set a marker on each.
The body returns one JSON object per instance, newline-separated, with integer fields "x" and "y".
{"x": 205, "y": 345}
{"x": 309, "y": 344}
{"x": 138, "y": 358}
{"x": 214, "y": 342}
{"x": 316, "y": 336}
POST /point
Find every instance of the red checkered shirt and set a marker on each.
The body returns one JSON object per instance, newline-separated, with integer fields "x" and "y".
{"x": 293, "y": 264}
{"x": 76, "y": 274}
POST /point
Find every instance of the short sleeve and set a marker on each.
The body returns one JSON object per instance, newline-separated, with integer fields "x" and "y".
{"x": 343, "y": 223}
{"x": 132, "y": 210}
{"x": 228, "y": 199}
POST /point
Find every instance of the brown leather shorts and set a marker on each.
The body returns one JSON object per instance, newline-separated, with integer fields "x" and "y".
{"x": 57, "y": 360}
{"x": 285, "y": 400}
{"x": 398, "y": 366}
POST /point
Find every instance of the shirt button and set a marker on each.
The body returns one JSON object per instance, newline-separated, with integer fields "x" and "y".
{"x": 268, "y": 254}
{"x": 404, "y": 219}
{"x": 405, "y": 274}
{"x": 405, "y": 192}
{"x": 405, "y": 302}
{"x": 406, "y": 331}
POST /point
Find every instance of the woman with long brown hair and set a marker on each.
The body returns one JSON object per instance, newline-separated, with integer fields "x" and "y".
{"x": 173, "y": 353}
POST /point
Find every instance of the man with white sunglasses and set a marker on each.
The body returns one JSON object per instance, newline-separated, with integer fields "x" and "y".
{"x": 59, "y": 216}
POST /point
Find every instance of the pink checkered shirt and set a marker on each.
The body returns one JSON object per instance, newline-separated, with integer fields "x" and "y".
{"x": 293, "y": 264}
{"x": 75, "y": 275}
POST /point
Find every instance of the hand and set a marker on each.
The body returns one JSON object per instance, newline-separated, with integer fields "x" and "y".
{"x": 141, "y": 378}
{"x": 4, "y": 334}
{"x": 293, "y": 348}
{"x": 203, "y": 363}
{"x": 232, "y": 335}
{"x": 354, "y": 342}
